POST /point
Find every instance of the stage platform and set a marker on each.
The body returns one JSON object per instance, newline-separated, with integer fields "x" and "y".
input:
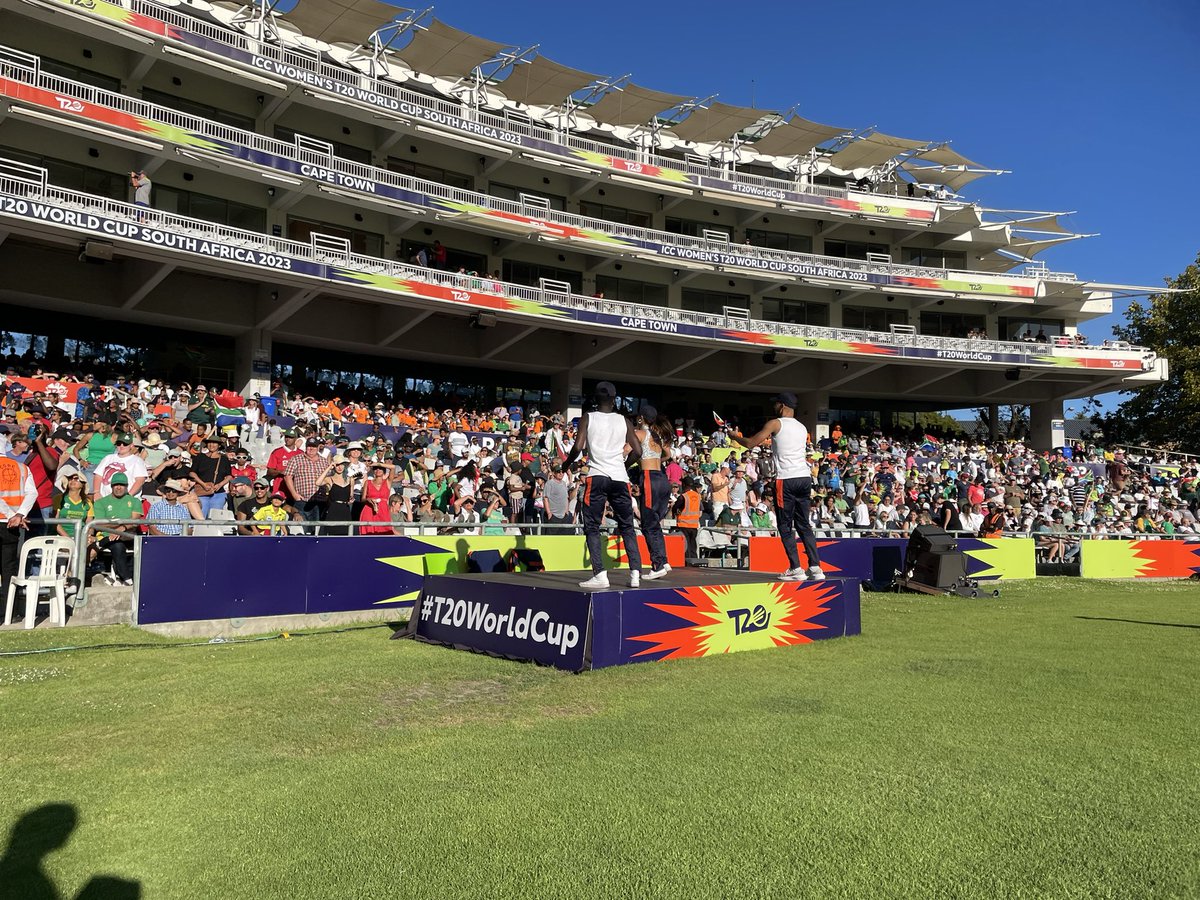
{"x": 546, "y": 617}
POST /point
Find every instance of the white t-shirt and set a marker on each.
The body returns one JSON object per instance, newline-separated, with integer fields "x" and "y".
{"x": 132, "y": 465}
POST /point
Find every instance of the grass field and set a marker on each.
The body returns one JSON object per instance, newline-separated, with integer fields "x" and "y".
{"x": 1041, "y": 745}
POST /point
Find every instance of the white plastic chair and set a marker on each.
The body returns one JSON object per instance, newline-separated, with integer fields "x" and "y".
{"x": 57, "y": 557}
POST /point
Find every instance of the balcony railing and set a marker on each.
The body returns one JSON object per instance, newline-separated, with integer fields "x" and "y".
{"x": 21, "y": 67}
{"x": 355, "y": 83}
{"x": 27, "y": 186}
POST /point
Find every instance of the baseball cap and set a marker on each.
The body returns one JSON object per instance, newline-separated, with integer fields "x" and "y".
{"x": 313, "y": 442}
{"x": 279, "y": 495}
{"x": 648, "y": 412}
{"x": 119, "y": 478}
{"x": 62, "y": 434}
{"x": 787, "y": 398}
{"x": 606, "y": 389}
{"x": 291, "y": 432}
{"x": 241, "y": 479}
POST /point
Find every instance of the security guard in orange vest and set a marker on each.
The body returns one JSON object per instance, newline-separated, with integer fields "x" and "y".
{"x": 18, "y": 495}
{"x": 687, "y": 517}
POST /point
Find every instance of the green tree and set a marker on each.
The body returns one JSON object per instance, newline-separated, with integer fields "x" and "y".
{"x": 1166, "y": 414}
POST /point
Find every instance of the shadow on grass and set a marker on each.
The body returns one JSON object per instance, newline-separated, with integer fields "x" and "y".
{"x": 35, "y": 836}
{"x": 1138, "y": 622}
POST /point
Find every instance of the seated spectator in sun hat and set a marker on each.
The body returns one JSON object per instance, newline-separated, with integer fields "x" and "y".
{"x": 179, "y": 504}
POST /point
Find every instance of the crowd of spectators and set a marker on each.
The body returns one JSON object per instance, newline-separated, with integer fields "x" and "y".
{"x": 142, "y": 449}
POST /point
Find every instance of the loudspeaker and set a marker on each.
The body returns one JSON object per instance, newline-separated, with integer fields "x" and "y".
{"x": 482, "y": 320}
{"x": 930, "y": 539}
{"x": 96, "y": 251}
{"x": 939, "y": 570}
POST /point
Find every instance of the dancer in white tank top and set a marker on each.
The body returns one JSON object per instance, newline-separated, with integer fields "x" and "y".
{"x": 604, "y": 435}
{"x": 793, "y": 485}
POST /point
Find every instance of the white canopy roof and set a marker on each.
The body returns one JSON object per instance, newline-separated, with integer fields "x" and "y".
{"x": 873, "y": 150}
{"x": 719, "y": 122}
{"x": 632, "y": 105}
{"x": 443, "y": 50}
{"x": 543, "y": 82}
{"x": 353, "y": 21}
{"x": 795, "y": 137}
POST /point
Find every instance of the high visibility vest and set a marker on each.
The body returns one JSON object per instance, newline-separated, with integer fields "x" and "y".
{"x": 690, "y": 517}
{"x": 12, "y": 482}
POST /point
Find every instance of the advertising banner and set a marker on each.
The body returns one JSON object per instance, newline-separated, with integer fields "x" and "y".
{"x": 1122, "y": 558}
{"x": 533, "y": 623}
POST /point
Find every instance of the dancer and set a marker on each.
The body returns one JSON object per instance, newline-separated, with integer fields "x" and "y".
{"x": 604, "y": 434}
{"x": 793, "y": 485}
{"x": 656, "y": 434}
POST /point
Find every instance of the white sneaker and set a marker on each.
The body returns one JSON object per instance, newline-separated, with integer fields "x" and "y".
{"x": 658, "y": 573}
{"x": 635, "y": 579}
{"x": 815, "y": 574}
{"x": 796, "y": 574}
{"x": 599, "y": 580}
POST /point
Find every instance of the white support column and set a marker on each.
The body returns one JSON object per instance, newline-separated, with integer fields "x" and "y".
{"x": 812, "y": 408}
{"x": 566, "y": 393}
{"x": 252, "y": 363}
{"x": 1046, "y": 426}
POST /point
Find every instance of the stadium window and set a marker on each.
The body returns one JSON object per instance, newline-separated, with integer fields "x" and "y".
{"x": 694, "y": 228}
{"x": 455, "y": 259}
{"x": 779, "y": 240}
{"x": 1013, "y": 328}
{"x": 935, "y": 259}
{"x": 519, "y": 272}
{"x": 629, "y": 291}
{"x": 431, "y": 173}
{"x": 195, "y": 108}
{"x": 340, "y": 150}
{"x": 873, "y": 318}
{"x": 75, "y": 177}
{"x": 78, "y": 73}
{"x": 795, "y": 312}
{"x": 210, "y": 209}
{"x": 712, "y": 301}
{"x": 618, "y": 214}
{"x": 513, "y": 193}
{"x": 365, "y": 243}
{"x": 854, "y": 249}
{"x": 955, "y": 325}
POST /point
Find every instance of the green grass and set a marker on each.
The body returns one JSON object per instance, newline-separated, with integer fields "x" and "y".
{"x": 1029, "y": 746}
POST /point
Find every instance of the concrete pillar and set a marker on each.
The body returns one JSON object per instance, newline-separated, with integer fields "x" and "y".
{"x": 994, "y": 419}
{"x": 566, "y": 393}
{"x": 252, "y": 363}
{"x": 812, "y": 408}
{"x": 1046, "y": 426}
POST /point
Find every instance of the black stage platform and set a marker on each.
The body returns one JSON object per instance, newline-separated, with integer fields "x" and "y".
{"x": 548, "y": 618}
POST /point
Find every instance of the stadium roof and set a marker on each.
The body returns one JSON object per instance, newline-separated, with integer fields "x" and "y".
{"x": 333, "y": 21}
{"x": 795, "y": 137}
{"x": 443, "y": 50}
{"x": 872, "y": 150}
{"x": 543, "y": 82}
{"x": 632, "y": 105}
{"x": 717, "y": 122}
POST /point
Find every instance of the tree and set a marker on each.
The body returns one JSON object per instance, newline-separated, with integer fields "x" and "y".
{"x": 1166, "y": 414}
{"x": 1013, "y": 421}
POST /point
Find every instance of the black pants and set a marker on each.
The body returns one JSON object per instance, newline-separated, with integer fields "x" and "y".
{"x": 599, "y": 489}
{"x": 793, "y": 501}
{"x": 122, "y": 557}
{"x": 10, "y": 543}
{"x": 656, "y": 493}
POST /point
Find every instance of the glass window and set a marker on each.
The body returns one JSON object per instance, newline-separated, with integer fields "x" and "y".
{"x": 519, "y": 272}
{"x": 512, "y": 192}
{"x": 617, "y": 214}
{"x": 795, "y": 312}
{"x": 194, "y": 108}
{"x": 629, "y": 291}
{"x": 873, "y": 318}
{"x": 455, "y": 259}
{"x": 937, "y": 259}
{"x": 779, "y": 240}
{"x": 77, "y": 73}
{"x": 431, "y": 173}
{"x": 955, "y": 325}
{"x": 1014, "y": 328}
{"x": 712, "y": 301}
{"x": 854, "y": 249}
{"x": 695, "y": 228}
{"x": 344, "y": 151}
{"x": 362, "y": 242}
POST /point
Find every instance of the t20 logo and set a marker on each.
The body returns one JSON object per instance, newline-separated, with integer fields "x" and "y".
{"x": 747, "y": 621}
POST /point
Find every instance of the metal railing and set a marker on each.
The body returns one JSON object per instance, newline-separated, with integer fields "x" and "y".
{"x": 283, "y": 60}
{"x": 304, "y": 150}
{"x": 323, "y": 249}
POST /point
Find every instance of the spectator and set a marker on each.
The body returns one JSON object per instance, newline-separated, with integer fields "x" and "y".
{"x": 123, "y": 461}
{"x": 117, "y": 540}
{"x": 301, "y": 476}
{"x": 179, "y": 504}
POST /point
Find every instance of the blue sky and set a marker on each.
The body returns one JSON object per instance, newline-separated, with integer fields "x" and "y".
{"x": 1092, "y": 105}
